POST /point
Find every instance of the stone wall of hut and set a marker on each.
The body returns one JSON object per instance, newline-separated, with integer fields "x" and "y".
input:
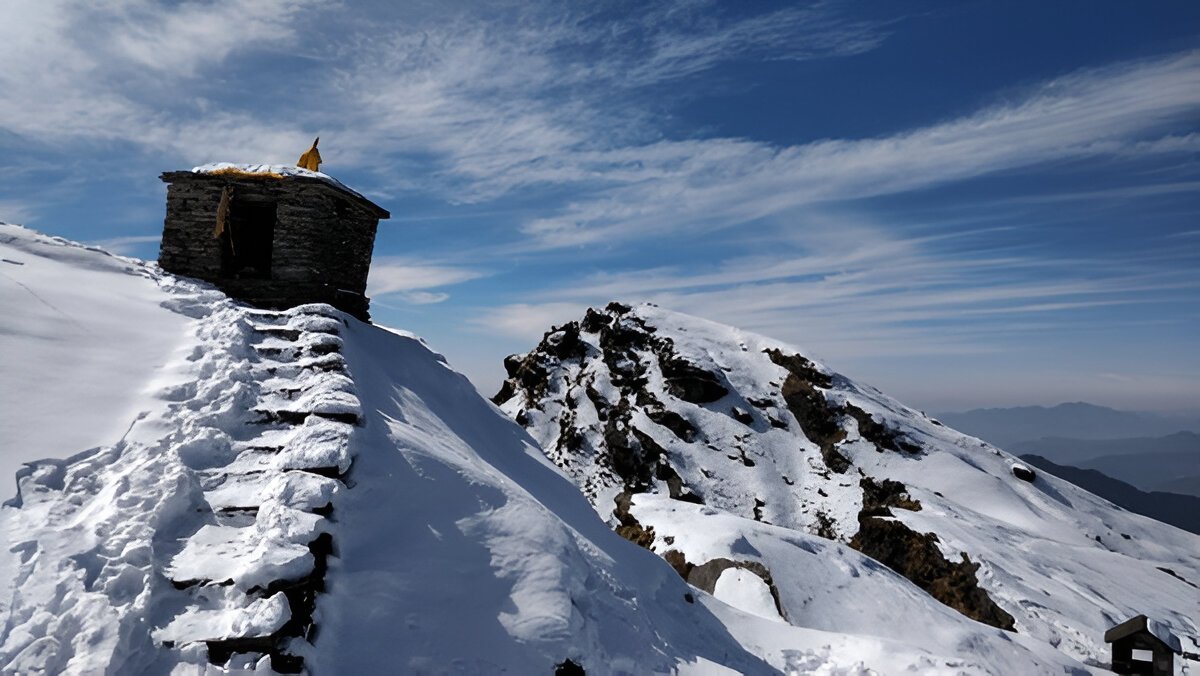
{"x": 321, "y": 250}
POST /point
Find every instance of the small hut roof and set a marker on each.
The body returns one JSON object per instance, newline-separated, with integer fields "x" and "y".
{"x": 1141, "y": 623}
{"x": 283, "y": 171}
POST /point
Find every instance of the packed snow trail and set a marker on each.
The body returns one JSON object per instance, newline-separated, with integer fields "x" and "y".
{"x": 202, "y": 533}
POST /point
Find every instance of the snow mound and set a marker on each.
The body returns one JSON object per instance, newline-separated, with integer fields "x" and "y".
{"x": 722, "y": 451}
{"x": 83, "y": 337}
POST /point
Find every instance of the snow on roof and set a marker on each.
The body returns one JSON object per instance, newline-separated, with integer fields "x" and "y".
{"x": 1163, "y": 633}
{"x": 276, "y": 170}
{"x": 1141, "y": 623}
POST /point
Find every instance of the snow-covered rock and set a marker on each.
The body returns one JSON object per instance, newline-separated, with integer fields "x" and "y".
{"x": 722, "y": 451}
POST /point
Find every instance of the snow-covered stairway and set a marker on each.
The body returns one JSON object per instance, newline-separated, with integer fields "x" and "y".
{"x": 200, "y": 537}
{"x": 253, "y": 571}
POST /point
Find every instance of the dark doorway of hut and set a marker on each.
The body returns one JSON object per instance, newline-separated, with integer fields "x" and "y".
{"x": 249, "y": 239}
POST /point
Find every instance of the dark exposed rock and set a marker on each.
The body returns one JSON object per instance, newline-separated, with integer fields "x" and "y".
{"x": 663, "y": 471}
{"x": 629, "y": 527}
{"x": 705, "y": 576}
{"x": 879, "y": 434}
{"x": 689, "y": 382}
{"x": 817, "y": 417}
{"x": 878, "y": 496}
{"x": 1177, "y": 576}
{"x": 599, "y": 402}
{"x": 570, "y": 439}
{"x": 916, "y": 556}
{"x": 679, "y": 562}
{"x": 568, "y": 668}
{"x": 820, "y": 419}
{"x": 527, "y": 375}
{"x": 802, "y": 368}
{"x": 742, "y": 415}
{"x": 671, "y": 420}
{"x": 620, "y": 344}
{"x": 633, "y": 462}
{"x": 1023, "y": 473}
{"x": 512, "y": 364}
{"x": 617, "y": 308}
{"x": 825, "y": 527}
{"x": 594, "y": 322}
{"x": 565, "y": 343}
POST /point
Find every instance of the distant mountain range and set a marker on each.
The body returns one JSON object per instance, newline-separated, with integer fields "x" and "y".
{"x": 1170, "y": 463}
{"x": 1079, "y": 420}
{"x": 1182, "y": 511}
{"x": 1148, "y": 451}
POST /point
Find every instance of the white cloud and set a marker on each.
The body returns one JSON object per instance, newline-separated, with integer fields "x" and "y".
{"x": 485, "y": 100}
{"x": 125, "y": 245}
{"x": 527, "y": 321}
{"x": 130, "y": 71}
{"x": 716, "y": 183}
{"x": 15, "y": 211}
{"x": 411, "y": 280}
{"x": 856, "y": 289}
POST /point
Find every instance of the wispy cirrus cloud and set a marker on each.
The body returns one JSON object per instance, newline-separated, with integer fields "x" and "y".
{"x": 125, "y": 245}
{"x": 552, "y": 96}
{"x": 863, "y": 290}
{"x": 717, "y": 183}
{"x": 413, "y": 281}
{"x": 139, "y": 72}
{"x": 15, "y": 211}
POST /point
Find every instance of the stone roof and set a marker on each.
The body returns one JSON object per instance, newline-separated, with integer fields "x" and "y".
{"x": 279, "y": 171}
{"x": 1141, "y": 623}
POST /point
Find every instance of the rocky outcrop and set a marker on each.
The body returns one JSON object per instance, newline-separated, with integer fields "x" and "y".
{"x": 916, "y": 556}
{"x": 705, "y": 575}
{"x": 625, "y": 410}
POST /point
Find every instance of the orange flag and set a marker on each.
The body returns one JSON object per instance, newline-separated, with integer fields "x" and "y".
{"x": 311, "y": 159}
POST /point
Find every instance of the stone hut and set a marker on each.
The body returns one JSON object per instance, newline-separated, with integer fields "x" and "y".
{"x": 1142, "y": 646}
{"x": 275, "y": 236}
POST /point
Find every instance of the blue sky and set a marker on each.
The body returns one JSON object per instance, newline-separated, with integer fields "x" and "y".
{"x": 964, "y": 204}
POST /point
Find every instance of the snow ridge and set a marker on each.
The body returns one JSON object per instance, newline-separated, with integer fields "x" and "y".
{"x": 303, "y": 491}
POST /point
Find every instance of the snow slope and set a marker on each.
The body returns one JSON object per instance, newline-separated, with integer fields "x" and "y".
{"x": 734, "y": 457}
{"x": 98, "y": 319}
{"x": 302, "y": 491}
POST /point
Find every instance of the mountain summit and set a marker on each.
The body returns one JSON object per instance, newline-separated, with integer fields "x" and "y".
{"x": 780, "y": 486}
